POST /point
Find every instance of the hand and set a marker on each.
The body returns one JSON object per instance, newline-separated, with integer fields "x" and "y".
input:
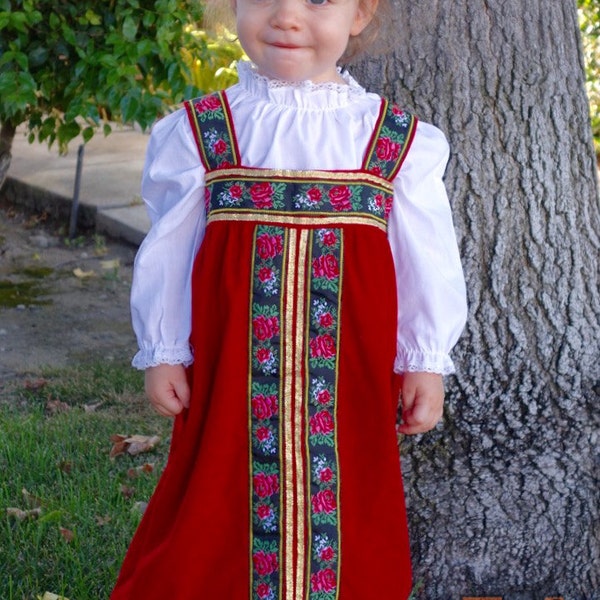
{"x": 167, "y": 389}
{"x": 422, "y": 402}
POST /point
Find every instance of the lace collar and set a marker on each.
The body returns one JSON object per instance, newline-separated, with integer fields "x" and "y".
{"x": 301, "y": 94}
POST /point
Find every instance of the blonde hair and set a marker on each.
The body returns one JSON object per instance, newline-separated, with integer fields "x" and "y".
{"x": 218, "y": 13}
{"x": 374, "y": 39}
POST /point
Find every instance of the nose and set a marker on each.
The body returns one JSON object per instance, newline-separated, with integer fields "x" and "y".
{"x": 285, "y": 14}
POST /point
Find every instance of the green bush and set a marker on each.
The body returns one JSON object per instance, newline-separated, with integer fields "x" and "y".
{"x": 67, "y": 68}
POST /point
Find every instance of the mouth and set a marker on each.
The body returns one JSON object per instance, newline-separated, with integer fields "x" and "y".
{"x": 284, "y": 45}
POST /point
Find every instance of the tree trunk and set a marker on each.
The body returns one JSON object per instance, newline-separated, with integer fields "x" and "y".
{"x": 7, "y": 135}
{"x": 504, "y": 498}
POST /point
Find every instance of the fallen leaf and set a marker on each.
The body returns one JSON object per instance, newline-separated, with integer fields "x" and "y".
{"x": 35, "y": 384}
{"x": 67, "y": 534}
{"x": 66, "y": 466}
{"x": 136, "y": 471}
{"x": 31, "y": 500}
{"x": 139, "y": 507}
{"x": 54, "y": 407}
{"x": 133, "y": 445}
{"x": 91, "y": 408}
{"x": 108, "y": 265}
{"x": 80, "y": 274}
{"x": 101, "y": 521}
{"x": 119, "y": 445}
{"x": 141, "y": 443}
{"x": 22, "y": 515}
{"x": 51, "y": 596}
{"x": 127, "y": 491}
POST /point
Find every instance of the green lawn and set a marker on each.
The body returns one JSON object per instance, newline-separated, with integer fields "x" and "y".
{"x": 55, "y": 443}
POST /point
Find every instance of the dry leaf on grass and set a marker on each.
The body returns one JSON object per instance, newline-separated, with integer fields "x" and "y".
{"x": 81, "y": 274}
{"x": 66, "y": 534}
{"x": 127, "y": 491}
{"x": 136, "y": 471}
{"x": 139, "y": 507}
{"x": 30, "y": 499}
{"x": 133, "y": 445}
{"x": 54, "y": 407}
{"x": 66, "y": 466}
{"x": 51, "y": 596}
{"x": 35, "y": 384}
{"x": 90, "y": 408}
{"x": 23, "y": 515}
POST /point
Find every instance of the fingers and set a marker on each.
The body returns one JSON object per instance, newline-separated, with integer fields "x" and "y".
{"x": 420, "y": 419}
{"x": 167, "y": 389}
{"x": 422, "y": 402}
{"x": 181, "y": 389}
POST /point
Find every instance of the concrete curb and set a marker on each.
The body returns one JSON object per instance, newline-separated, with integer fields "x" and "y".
{"x": 42, "y": 181}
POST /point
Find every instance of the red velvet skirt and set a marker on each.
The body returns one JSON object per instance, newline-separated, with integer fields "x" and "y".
{"x": 283, "y": 480}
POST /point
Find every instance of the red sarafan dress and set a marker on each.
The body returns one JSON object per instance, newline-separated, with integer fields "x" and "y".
{"x": 284, "y": 480}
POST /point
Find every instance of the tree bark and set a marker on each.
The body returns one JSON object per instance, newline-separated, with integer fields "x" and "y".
{"x": 504, "y": 498}
{"x": 7, "y": 135}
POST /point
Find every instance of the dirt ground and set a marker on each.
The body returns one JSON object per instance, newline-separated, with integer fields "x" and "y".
{"x": 60, "y": 303}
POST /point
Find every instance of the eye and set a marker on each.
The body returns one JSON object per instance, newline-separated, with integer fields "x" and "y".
{"x": 317, "y": 2}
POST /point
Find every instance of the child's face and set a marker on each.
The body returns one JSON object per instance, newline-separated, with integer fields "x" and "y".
{"x": 297, "y": 40}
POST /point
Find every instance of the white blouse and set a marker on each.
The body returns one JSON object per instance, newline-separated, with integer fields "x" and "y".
{"x": 299, "y": 126}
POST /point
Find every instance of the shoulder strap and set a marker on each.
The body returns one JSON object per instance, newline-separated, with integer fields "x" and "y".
{"x": 211, "y": 122}
{"x": 390, "y": 142}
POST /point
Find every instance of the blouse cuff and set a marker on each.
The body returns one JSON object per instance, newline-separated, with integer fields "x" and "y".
{"x": 423, "y": 362}
{"x": 152, "y": 357}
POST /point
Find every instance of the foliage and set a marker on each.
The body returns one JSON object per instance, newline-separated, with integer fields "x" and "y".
{"x": 589, "y": 20}
{"x": 216, "y": 69}
{"x": 70, "y": 67}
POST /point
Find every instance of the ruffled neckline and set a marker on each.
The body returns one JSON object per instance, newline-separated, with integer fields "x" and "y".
{"x": 299, "y": 94}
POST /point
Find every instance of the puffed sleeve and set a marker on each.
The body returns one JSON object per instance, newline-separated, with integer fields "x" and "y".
{"x": 432, "y": 308}
{"x": 173, "y": 191}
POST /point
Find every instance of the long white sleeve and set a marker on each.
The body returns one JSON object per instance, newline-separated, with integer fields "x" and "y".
{"x": 432, "y": 306}
{"x": 173, "y": 190}
{"x": 281, "y": 127}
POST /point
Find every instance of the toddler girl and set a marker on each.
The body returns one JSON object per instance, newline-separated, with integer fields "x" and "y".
{"x": 301, "y": 275}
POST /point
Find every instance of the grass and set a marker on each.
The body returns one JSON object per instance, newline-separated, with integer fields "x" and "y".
{"x": 54, "y": 459}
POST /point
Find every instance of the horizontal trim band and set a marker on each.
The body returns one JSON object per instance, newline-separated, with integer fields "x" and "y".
{"x": 294, "y": 219}
{"x": 329, "y": 177}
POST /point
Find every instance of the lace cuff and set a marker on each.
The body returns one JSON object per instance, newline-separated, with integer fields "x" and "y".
{"x": 152, "y": 357}
{"x": 427, "y": 362}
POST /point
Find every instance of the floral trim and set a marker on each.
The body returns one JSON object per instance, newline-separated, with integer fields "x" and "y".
{"x": 264, "y": 406}
{"x": 265, "y": 565}
{"x": 392, "y": 141}
{"x": 323, "y": 583}
{"x": 264, "y": 399}
{"x": 258, "y": 195}
{"x": 268, "y": 260}
{"x": 297, "y": 198}
{"x": 210, "y": 121}
{"x": 321, "y": 412}
{"x": 217, "y": 148}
